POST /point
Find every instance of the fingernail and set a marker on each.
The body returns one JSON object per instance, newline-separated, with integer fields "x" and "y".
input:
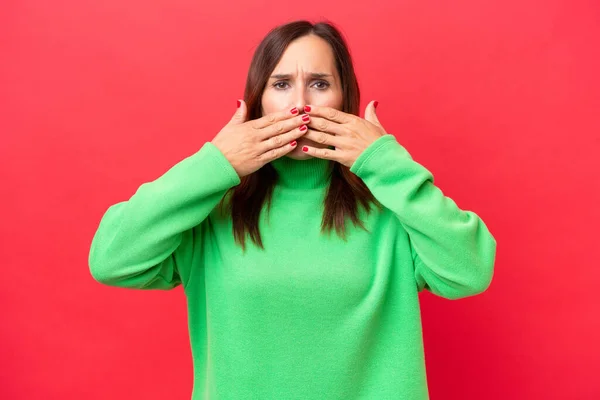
{"x": 239, "y": 103}
{"x": 307, "y": 108}
{"x": 305, "y": 149}
{"x": 294, "y": 111}
{"x": 306, "y": 118}
{"x": 375, "y": 104}
{"x": 293, "y": 143}
{"x": 303, "y": 128}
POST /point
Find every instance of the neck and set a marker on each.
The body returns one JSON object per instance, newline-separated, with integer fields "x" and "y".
{"x": 303, "y": 174}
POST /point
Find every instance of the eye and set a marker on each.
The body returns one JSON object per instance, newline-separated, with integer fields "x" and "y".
{"x": 278, "y": 85}
{"x": 322, "y": 85}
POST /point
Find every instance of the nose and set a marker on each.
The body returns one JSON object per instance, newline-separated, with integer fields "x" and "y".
{"x": 300, "y": 99}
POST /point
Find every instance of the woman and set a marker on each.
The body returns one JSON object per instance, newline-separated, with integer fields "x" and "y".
{"x": 302, "y": 235}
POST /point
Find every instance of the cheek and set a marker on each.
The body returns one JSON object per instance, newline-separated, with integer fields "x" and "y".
{"x": 273, "y": 102}
{"x": 329, "y": 99}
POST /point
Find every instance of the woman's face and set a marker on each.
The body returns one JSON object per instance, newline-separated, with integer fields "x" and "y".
{"x": 306, "y": 74}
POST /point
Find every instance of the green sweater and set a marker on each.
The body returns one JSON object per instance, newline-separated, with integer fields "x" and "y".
{"x": 311, "y": 316}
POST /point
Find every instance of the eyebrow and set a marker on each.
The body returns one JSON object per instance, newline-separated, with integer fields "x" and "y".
{"x": 313, "y": 75}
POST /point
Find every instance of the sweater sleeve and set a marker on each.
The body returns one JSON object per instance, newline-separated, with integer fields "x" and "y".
{"x": 146, "y": 241}
{"x": 452, "y": 249}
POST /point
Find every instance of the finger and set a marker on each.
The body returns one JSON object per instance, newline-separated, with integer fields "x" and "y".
{"x": 325, "y": 138}
{"x": 277, "y": 152}
{"x": 325, "y": 125}
{"x": 272, "y": 118}
{"x": 280, "y": 140}
{"x": 284, "y": 126}
{"x": 371, "y": 114}
{"x": 329, "y": 113}
{"x": 240, "y": 114}
{"x": 327, "y": 154}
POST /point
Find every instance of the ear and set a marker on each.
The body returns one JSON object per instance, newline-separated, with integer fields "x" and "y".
{"x": 370, "y": 113}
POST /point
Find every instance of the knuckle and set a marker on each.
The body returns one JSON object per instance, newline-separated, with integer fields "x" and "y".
{"x": 322, "y": 138}
{"x": 325, "y": 152}
{"x": 271, "y": 118}
{"x": 280, "y": 128}
{"x": 333, "y": 114}
{"x": 276, "y": 140}
{"x": 322, "y": 126}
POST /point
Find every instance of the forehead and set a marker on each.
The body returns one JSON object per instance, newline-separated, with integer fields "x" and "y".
{"x": 308, "y": 54}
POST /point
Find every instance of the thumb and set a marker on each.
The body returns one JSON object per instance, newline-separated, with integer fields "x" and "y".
{"x": 240, "y": 114}
{"x": 370, "y": 113}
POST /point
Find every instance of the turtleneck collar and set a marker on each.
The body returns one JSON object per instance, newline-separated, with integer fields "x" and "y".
{"x": 303, "y": 174}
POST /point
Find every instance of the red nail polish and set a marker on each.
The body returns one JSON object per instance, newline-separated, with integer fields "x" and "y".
{"x": 294, "y": 111}
{"x": 303, "y": 128}
{"x": 239, "y": 103}
{"x": 307, "y": 108}
{"x": 305, "y": 118}
{"x": 305, "y": 149}
{"x": 293, "y": 143}
{"x": 375, "y": 104}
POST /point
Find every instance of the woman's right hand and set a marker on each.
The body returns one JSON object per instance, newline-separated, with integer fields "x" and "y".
{"x": 248, "y": 145}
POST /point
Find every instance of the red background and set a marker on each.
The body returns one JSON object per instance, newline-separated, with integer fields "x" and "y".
{"x": 499, "y": 99}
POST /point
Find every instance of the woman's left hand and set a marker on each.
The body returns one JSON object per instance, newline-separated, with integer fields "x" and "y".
{"x": 349, "y": 134}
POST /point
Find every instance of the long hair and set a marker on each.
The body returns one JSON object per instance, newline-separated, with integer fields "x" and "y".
{"x": 346, "y": 190}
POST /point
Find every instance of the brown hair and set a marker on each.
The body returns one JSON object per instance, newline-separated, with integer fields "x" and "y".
{"x": 346, "y": 190}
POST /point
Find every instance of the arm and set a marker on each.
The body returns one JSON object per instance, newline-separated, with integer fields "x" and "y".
{"x": 146, "y": 241}
{"x": 453, "y": 250}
